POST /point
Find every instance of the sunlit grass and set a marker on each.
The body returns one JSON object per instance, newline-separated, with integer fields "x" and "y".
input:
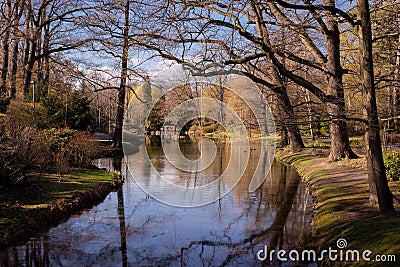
{"x": 344, "y": 211}
{"x": 18, "y": 202}
{"x": 360, "y": 163}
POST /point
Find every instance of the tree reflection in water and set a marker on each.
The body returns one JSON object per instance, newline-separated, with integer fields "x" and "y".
{"x": 131, "y": 229}
{"x": 121, "y": 214}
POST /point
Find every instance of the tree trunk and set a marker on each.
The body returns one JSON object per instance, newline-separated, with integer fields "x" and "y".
{"x": 14, "y": 60}
{"x": 117, "y": 142}
{"x": 6, "y": 47}
{"x": 29, "y": 67}
{"x": 32, "y": 38}
{"x": 288, "y": 119}
{"x": 286, "y": 112}
{"x": 27, "y": 48}
{"x": 379, "y": 189}
{"x": 396, "y": 88}
{"x": 43, "y": 63}
{"x": 284, "y": 136}
{"x": 340, "y": 145}
{"x": 46, "y": 59}
{"x": 14, "y": 68}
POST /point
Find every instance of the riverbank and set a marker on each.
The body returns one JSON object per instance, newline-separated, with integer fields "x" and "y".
{"x": 48, "y": 200}
{"x": 342, "y": 210}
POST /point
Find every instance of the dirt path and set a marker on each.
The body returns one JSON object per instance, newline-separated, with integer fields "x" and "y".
{"x": 342, "y": 210}
{"x": 348, "y": 182}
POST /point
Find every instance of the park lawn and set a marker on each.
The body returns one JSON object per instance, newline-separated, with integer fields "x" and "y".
{"x": 41, "y": 192}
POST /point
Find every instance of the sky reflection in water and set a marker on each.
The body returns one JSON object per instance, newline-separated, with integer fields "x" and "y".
{"x": 129, "y": 228}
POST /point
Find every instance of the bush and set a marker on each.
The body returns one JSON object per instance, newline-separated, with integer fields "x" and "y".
{"x": 70, "y": 148}
{"x": 54, "y": 108}
{"x": 25, "y": 149}
{"x": 59, "y": 138}
{"x": 392, "y": 164}
{"x": 81, "y": 149}
{"x": 25, "y": 152}
{"x": 4, "y": 102}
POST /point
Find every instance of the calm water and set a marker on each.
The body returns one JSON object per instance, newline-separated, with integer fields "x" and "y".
{"x": 129, "y": 228}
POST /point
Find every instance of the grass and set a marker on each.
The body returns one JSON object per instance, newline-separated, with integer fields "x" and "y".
{"x": 360, "y": 163}
{"x": 41, "y": 192}
{"x": 342, "y": 209}
{"x": 74, "y": 182}
{"x": 357, "y": 141}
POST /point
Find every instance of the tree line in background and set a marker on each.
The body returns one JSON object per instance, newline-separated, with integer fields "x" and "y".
{"x": 326, "y": 66}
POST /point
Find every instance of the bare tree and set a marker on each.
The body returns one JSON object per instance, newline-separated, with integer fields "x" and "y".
{"x": 310, "y": 26}
{"x": 117, "y": 142}
{"x": 190, "y": 29}
{"x": 51, "y": 27}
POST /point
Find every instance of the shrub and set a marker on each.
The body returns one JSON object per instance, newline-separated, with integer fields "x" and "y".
{"x": 59, "y": 138}
{"x": 4, "y": 102}
{"x": 392, "y": 164}
{"x": 81, "y": 149}
{"x": 25, "y": 149}
{"x": 23, "y": 153}
{"x": 70, "y": 148}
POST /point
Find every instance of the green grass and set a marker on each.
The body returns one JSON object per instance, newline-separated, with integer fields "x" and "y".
{"x": 357, "y": 141}
{"x": 360, "y": 163}
{"x": 344, "y": 212}
{"x": 74, "y": 182}
{"x": 40, "y": 192}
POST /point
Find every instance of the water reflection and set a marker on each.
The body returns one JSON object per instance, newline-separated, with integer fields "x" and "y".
{"x": 129, "y": 228}
{"x": 117, "y": 164}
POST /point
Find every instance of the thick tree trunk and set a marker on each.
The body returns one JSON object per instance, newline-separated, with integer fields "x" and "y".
{"x": 117, "y": 142}
{"x": 286, "y": 112}
{"x": 340, "y": 145}
{"x": 379, "y": 189}
{"x": 288, "y": 119}
{"x": 29, "y": 67}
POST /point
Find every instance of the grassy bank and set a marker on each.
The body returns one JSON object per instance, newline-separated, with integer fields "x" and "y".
{"x": 342, "y": 209}
{"x": 45, "y": 201}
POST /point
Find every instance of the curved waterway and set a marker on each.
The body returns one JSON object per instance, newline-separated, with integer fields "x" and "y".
{"x": 130, "y": 228}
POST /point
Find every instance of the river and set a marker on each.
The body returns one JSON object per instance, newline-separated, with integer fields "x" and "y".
{"x": 130, "y": 228}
